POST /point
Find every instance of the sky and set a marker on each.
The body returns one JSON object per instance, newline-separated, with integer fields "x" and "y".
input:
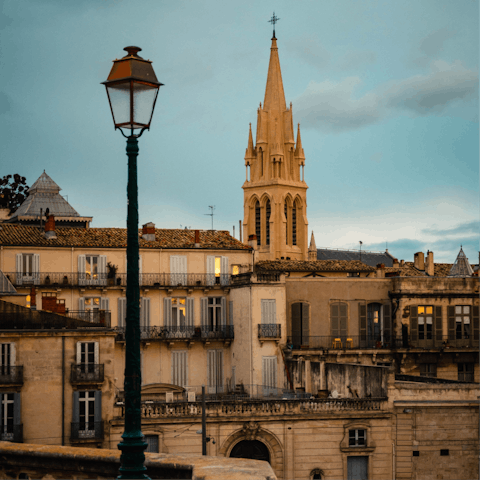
{"x": 386, "y": 94}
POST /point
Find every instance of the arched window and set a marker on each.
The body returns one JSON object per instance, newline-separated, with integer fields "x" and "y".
{"x": 258, "y": 225}
{"x": 294, "y": 223}
{"x": 286, "y": 224}
{"x": 267, "y": 226}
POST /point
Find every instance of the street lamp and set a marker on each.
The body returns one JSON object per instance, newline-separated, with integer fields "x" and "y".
{"x": 132, "y": 90}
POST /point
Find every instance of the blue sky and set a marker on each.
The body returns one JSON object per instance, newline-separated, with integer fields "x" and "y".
{"x": 386, "y": 93}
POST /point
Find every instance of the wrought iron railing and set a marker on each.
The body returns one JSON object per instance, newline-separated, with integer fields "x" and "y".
{"x": 87, "y": 373}
{"x": 217, "y": 332}
{"x": 87, "y": 431}
{"x": 169, "y": 333}
{"x": 102, "y": 317}
{"x": 269, "y": 330}
{"x": 11, "y": 433}
{"x": 11, "y": 374}
{"x": 348, "y": 342}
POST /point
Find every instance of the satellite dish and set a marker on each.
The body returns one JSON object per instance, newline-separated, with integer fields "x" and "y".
{"x": 334, "y": 394}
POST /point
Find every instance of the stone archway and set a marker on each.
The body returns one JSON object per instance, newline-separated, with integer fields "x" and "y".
{"x": 253, "y": 449}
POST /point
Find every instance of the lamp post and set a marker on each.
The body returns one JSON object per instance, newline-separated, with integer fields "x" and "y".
{"x": 132, "y": 90}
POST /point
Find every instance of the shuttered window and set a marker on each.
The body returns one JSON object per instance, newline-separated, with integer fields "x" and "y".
{"x": 269, "y": 311}
{"x": 217, "y": 270}
{"x": 92, "y": 269}
{"x": 300, "y": 324}
{"x": 269, "y": 375}
{"x": 180, "y": 368}
{"x": 178, "y": 269}
{"x": 144, "y": 312}
{"x": 215, "y": 371}
{"x": 27, "y": 268}
{"x": 338, "y": 320}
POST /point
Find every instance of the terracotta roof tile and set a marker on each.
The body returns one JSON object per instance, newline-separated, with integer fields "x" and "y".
{"x": 21, "y": 235}
{"x": 314, "y": 266}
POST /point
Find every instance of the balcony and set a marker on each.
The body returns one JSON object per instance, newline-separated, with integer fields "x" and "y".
{"x": 216, "y": 332}
{"x": 86, "y": 431}
{"x": 11, "y": 375}
{"x": 99, "y": 317}
{"x": 87, "y": 373}
{"x": 11, "y": 433}
{"x": 269, "y": 331}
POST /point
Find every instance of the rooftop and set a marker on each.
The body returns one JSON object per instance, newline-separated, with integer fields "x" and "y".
{"x": 370, "y": 258}
{"x": 313, "y": 266}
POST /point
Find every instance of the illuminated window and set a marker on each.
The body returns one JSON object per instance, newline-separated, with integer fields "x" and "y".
{"x": 29, "y": 299}
{"x": 178, "y": 312}
{"x": 218, "y": 267}
{"x": 425, "y": 322}
{"x": 235, "y": 270}
{"x": 91, "y": 267}
{"x": 462, "y": 321}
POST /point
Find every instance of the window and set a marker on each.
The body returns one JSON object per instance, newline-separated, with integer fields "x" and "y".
{"x": 215, "y": 371}
{"x": 178, "y": 316}
{"x": 425, "y": 323}
{"x": 357, "y": 438}
{"x": 285, "y": 211}
{"x": 269, "y": 312}
{"x": 235, "y": 269}
{"x": 258, "y": 224}
{"x": 214, "y": 314}
{"x": 268, "y": 211}
{"x": 428, "y": 370}
{"x": 92, "y": 269}
{"x": 466, "y": 372}
{"x": 180, "y": 368}
{"x": 87, "y": 414}
{"x": 152, "y": 443}
{"x": 28, "y": 268}
{"x": 462, "y": 321}
{"x": 7, "y": 358}
{"x": 294, "y": 223}
{"x": 91, "y": 309}
{"x": 375, "y": 329}
{"x": 300, "y": 324}
{"x": 10, "y": 425}
{"x": 426, "y": 328}
{"x": 269, "y": 375}
{"x": 87, "y": 357}
{"x": 144, "y": 313}
{"x": 338, "y": 321}
{"x": 217, "y": 270}
{"x": 178, "y": 270}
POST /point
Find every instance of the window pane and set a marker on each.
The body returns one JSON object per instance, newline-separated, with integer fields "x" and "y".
{"x": 466, "y": 309}
{"x": 421, "y": 310}
{"x": 429, "y": 310}
{"x": 458, "y": 309}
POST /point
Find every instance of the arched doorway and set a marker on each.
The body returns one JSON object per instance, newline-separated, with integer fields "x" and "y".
{"x": 252, "y": 449}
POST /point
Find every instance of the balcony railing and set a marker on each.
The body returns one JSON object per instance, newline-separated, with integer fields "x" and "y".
{"x": 349, "y": 342}
{"x": 87, "y": 373}
{"x": 75, "y": 279}
{"x": 87, "y": 431}
{"x": 11, "y": 374}
{"x": 171, "y": 333}
{"x": 269, "y": 330}
{"x": 11, "y": 433}
{"x": 101, "y": 317}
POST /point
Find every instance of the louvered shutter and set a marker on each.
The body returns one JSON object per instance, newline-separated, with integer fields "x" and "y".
{"x": 97, "y": 353}
{"x": 190, "y": 304}
{"x": 76, "y": 407}
{"x": 305, "y": 323}
{"x": 81, "y": 304}
{"x": 167, "y": 312}
{"x": 269, "y": 374}
{"x": 210, "y": 270}
{"x": 81, "y": 270}
{"x": 297, "y": 324}
{"x": 387, "y": 322}
{"x": 219, "y": 372}
{"x": 438, "y": 325}
{"x": 183, "y": 270}
{"x": 204, "y": 310}
{"x": 105, "y": 303}
{"x": 414, "y": 324}
{"x": 362, "y": 309}
{"x": 334, "y": 319}
{"x": 36, "y": 269}
{"x": 17, "y": 412}
{"x": 79, "y": 353}
{"x": 179, "y": 368}
{"x": 102, "y": 269}
{"x": 98, "y": 406}
{"x": 230, "y": 312}
{"x": 13, "y": 354}
{"x": 173, "y": 269}
{"x": 122, "y": 312}
{"x": 145, "y": 312}
{"x": 19, "y": 267}
{"x": 343, "y": 321}
{"x": 211, "y": 360}
{"x": 264, "y": 311}
{"x": 224, "y": 273}
{"x": 475, "y": 324}
{"x": 451, "y": 322}
{"x": 223, "y": 303}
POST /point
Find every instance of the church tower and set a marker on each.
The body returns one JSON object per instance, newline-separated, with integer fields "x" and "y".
{"x": 275, "y": 193}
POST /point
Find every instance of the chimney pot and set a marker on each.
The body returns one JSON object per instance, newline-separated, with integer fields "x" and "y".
{"x": 148, "y": 232}
{"x": 197, "y": 238}
{"x": 419, "y": 261}
{"x": 252, "y": 241}
{"x": 50, "y": 227}
{"x": 429, "y": 264}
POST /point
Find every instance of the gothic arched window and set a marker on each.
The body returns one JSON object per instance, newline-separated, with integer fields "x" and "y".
{"x": 285, "y": 209}
{"x": 267, "y": 222}
{"x": 294, "y": 223}
{"x": 258, "y": 224}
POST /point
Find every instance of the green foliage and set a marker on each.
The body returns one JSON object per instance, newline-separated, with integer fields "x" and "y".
{"x": 13, "y": 191}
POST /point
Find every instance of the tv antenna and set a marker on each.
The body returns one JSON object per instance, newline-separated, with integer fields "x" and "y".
{"x": 212, "y": 208}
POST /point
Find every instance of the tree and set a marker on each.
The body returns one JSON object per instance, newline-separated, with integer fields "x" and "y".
{"x": 13, "y": 191}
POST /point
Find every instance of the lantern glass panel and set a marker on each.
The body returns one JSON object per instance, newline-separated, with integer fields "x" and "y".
{"x": 143, "y": 103}
{"x": 119, "y": 95}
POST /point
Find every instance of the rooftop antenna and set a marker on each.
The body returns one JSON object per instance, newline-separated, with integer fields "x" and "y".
{"x": 212, "y": 208}
{"x": 273, "y": 21}
{"x": 361, "y": 243}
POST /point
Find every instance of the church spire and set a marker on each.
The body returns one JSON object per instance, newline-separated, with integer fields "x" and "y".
{"x": 299, "y": 149}
{"x": 250, "y": 151}
{"x": 312, "y": 249}
{"x": 274, "y": 94}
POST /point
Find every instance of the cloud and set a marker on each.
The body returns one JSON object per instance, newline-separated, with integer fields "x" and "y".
{"x": 430, "y": 46}
{"x": 463, "y": 228}
{"x": 355, "y": 60}
{"x": 309, "y": 50}
{"x": 336, "y": 106}
{"x": 424, "y": 94}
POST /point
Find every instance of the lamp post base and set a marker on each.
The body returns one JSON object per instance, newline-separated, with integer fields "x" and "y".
{"x": 132, "y": 458}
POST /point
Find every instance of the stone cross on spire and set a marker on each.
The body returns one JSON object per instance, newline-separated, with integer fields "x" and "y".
{"x": 273, "y": 21}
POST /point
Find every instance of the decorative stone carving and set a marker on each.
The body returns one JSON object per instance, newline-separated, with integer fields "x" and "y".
{"x": 250, "y": 429}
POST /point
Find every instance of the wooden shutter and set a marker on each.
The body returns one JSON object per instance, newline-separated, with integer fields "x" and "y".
{"x": 334, "y": 319}
{"x": 273, "y": 311}
{"x": 210, "y": 270}
{"x": 81, "y": 270}
{"x": 438, "y": 325}
{"x": 219, "y": 373}
{"x": 475, "y": 323}
{"x": 122, "y": 311}
{"x": 102, "y": 269}
{"x": 204, "y": 310}
{"x": 13, "y": 354}
{"x": 96, "y": 350}
{"x": 265, "y": 318}
{"x": 387, "y": 322}
{"x": 223, "y": 303}
{"x": 224, "y": 273}
{"x": 98, "y": 406}
{"x": 179, "y": 368}
{"x": 36, "y": 269}
{"x": 167, "y": 312}
{"x": 182, "y": 265}
{"x": 230, "y": 312}
{"x": 296, "y": 324}
{"x": 211, "y": 360}
{"x": 19, "y": 267}
{"x": 75, "y": 407}
{"x": 362, "y": 310}
{"x": 144, "y": 312}
{"x": 451, "y": 322}
{"x": 414, "y": 324}
{"x": 190, "y": 303}
{"x": 81, "y": 304}
{"x": 343, "y": 320}
{"x": 105, "y": 303}
{"x": 305, "y": 323}
{"x": 79, "y": 352}
{"x": 269, "y": 372}
{"x": 17, "y": 412}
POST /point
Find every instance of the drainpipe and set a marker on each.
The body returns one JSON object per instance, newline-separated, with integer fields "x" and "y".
{"x": 63, "y": 390}
{"x": 393, "y": 460}
{"x": 251, "y": 339}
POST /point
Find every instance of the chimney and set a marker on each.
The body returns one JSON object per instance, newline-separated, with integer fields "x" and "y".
{"x": 380, "y": 270}
{"x": 148, "y": 232}
{"x": 419, "y": 261}
{"x": 395, "y": 263}
{"x": 429, "y": 265}
{"x": 50, "y": 227}
{"x": 402, "y": 263}
{"x": 252, "y": 241}
{"x": 197, "y": 238}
